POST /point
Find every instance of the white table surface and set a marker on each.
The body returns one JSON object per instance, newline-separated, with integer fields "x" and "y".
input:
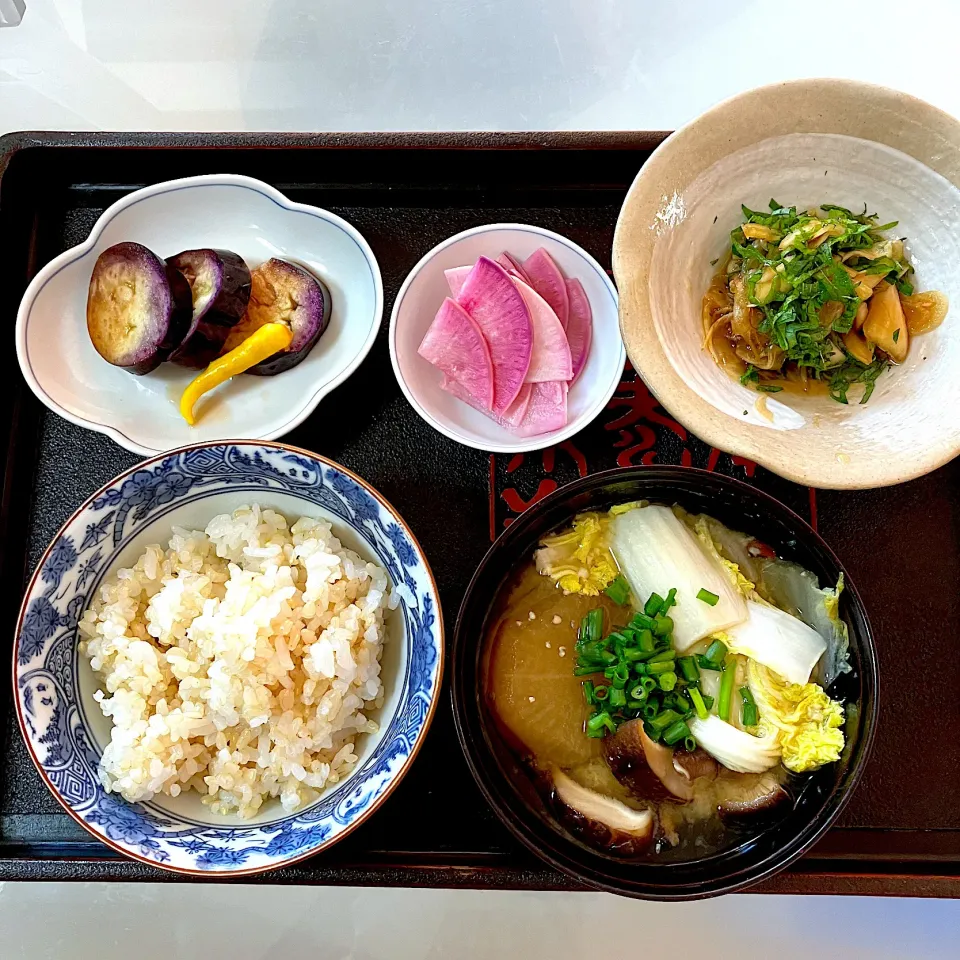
{"x": 310, "y": 65}
{"x": 448, "y": 64}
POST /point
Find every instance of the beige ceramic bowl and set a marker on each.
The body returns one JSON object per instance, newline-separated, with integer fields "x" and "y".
{"x": 804, "y": 143}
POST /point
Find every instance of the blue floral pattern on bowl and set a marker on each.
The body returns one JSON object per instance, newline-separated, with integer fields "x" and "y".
{"x": 48, "y": 696}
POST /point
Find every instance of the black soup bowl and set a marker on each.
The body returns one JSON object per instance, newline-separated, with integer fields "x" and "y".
{"x": 508, "y": 783}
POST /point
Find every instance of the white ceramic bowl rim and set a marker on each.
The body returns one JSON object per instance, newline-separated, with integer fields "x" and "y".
{"x": 46, "y": 656}
{"x": 526, "y": 444}
{"x": 68, "y": 257}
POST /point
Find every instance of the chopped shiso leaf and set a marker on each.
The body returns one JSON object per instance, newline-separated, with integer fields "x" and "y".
{"x": 790, "y": 289}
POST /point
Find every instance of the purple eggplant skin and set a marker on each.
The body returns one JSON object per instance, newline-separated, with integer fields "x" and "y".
{"x": 138, "y": 308}
{"x": 220, "y": 283}
{"x": 282, "y": 292}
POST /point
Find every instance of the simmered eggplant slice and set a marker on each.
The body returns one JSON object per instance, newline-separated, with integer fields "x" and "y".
{"x": 138, "y": 307}
{"x": 220, "y": 286}
{"x": 282, "y": 292}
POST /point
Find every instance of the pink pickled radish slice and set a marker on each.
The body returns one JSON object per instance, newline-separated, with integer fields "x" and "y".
{"x": 495, "y": 305}
{"x": 455, "y": 279}
{"x": 514, "y": 414}
{"x": 547, "y": 410}
{"x": 518, "y": 409}
{"x": 513, "y": 266}
{"x": 579, "y": 326}
{"x": 549, "y": 282}
{"x": 551, "y": 359}
{"x": 455, "y": 345}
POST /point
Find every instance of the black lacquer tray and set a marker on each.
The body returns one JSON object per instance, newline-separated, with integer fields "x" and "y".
{"x": 900, "y": 833}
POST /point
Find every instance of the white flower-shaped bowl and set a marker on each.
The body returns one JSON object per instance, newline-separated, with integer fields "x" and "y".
{"x": 807, "y": 142}
{"x": 226, "y": 211}
{"x": 424, "y": 290}
{"x": 54, "y": 685}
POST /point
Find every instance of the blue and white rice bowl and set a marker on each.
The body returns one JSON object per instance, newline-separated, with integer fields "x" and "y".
{"x": 65, "y": 730}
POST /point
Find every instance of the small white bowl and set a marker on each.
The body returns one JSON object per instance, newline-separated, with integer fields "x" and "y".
{"x": 233, "y": 212}
{"x": 424, "y": 290}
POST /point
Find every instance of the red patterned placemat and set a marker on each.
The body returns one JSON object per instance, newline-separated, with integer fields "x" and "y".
{"x": 632, "y": 430}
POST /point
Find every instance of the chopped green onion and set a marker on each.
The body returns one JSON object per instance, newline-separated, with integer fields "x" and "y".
{"x": 688, "y": 668}
{"x": 726, "y": 689}
{"x": 664, "y": 720}
{"x": 689, "y": 744}
{"x": 616, "y": 638}
{"x": 681, "y": 703}
{"x": 663, "y": 656}
{"x": 639, "y": 692}
{"x": 618, "y": 591}
{"x": 617, "y": 697}
{"x": 652, "y": 607}
{"x": 646, "y": 641}
{"x": 717, "y": 652}
{"x": 641, "y": 621}
{"x": 635, "y": 704}
{"x": 706, "y": 664}
{"x": 747, "y": 696}
{"x": 675, "y": 733}
{"x": 655, "y": 669}
{"x": 600, "y": 725}
{"x": 600, "y": 693}
{"x": 668, "y": 680}
{"x": 586, "y": 671}
{"x": 588, "y": 692}
{"x": 621, "y": 674}
{"x": 650, "y": 709}
{"x": 706, "y": 596}
{"x": 708, "y": 701}
{"x": 591, "y": 627}
{"x": 663, "y": 626}
{"x": 648, "y": 684}
{"x": 698, "y": 704}
{"x": 668, "y": 601}
{"x": 634, "y": 654}
{"x": 749, "y": 715}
